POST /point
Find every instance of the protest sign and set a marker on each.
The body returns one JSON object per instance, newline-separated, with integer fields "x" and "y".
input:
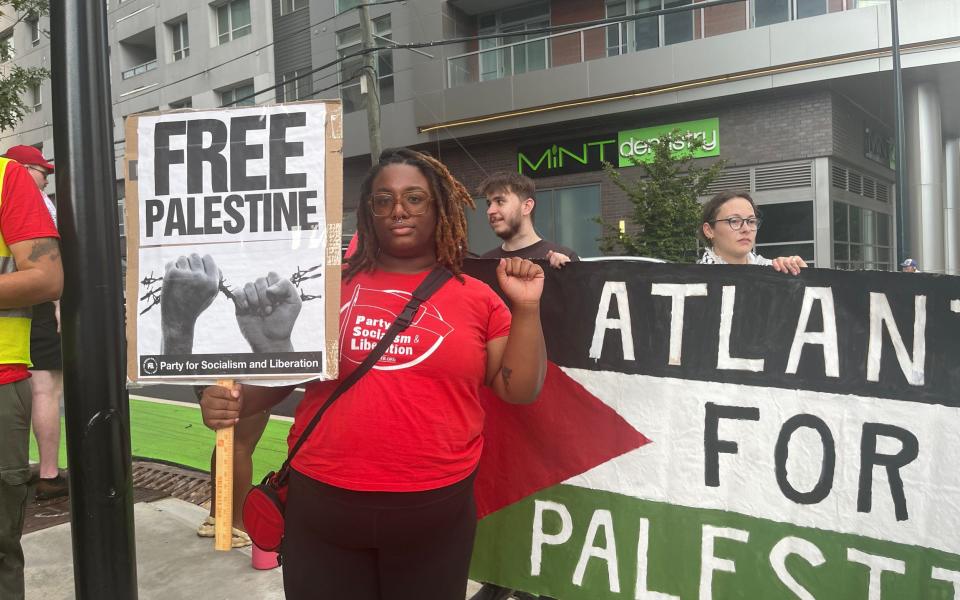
{"x": 233, "y": 230}
{"x": 802, "y": 433}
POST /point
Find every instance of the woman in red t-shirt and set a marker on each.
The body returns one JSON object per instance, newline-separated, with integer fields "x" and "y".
{"x": 381, "y": 495}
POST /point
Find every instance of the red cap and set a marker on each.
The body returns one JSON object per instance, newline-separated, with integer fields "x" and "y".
{"x": 28, "y": 155}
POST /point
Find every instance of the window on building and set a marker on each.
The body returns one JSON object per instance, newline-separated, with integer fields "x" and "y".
{"x": 180, "y": 35}
{"x": 348, "y": 42}
{"x": 233, "y": 20}
{"x": 34, "y": 23}
{"x": 861, "y": 238}
{"x": 567, "y": 216}
{"x": 563, "y": 215}
{"x": 787, "y": 230}
{"x": 289, "y": 6}
{"x": 36, "y": 98}
{"x": 185, "y": 103}
{"x": 297, "y": 85}
{"x": 520, "y": 52}
{"x": 7, "y": 50}
{"x": 239, "y": 92}
{"x": 650, "y": 32}
{"x": 343, "y": 5}
{"x": 768, "y": 12}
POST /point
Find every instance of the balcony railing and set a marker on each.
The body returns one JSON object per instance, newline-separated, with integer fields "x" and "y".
{"x": 139, "y": 69}
{"x": 521, "y": 57}
{"x": 602, "y": 41}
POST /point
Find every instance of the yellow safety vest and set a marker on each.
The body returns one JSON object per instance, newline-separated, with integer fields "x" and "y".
{"x": 14, "y": 322}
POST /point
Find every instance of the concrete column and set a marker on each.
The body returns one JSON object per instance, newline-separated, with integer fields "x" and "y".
{"x": 925, "y": 163}
{"x": 822, "y": 214}
{"x": 951, "y": 206}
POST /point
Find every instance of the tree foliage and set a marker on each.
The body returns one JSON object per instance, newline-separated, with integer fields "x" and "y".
{"x": 16, "y": 80}
{"x": 666, "y": 212}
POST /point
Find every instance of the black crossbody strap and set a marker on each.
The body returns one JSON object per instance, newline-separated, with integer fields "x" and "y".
{"x": 433, "y": 282}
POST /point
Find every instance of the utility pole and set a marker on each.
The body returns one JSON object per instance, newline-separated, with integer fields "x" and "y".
{"x": 94, "y": 375}
{"x": 370, "y": 84}
{"x": 903, "y": 248}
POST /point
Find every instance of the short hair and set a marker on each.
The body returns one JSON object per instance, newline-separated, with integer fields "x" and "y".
{"x": 450, "y": 199}
{"x": 712, "y": 207}
{"x": 512, "y": 182}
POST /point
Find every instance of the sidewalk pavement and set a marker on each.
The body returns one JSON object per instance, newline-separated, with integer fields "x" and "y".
{"x": 172, "y": 562}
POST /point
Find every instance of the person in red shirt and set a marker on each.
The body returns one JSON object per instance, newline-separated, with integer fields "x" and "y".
{"x": 380, "y": 501}
{"x": 30, "y": 273}
{"x": 46, "y": 374}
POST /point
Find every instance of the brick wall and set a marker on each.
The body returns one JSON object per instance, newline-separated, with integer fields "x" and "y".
{"x": 566, "y": 49}
{"x": 725, "y": 18}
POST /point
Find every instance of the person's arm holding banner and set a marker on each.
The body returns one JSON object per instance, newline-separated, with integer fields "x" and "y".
{"x": 517, "y": 363}
{"x": 190, "y": 285}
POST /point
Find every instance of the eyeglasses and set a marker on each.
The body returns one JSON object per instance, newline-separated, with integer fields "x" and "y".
{"x": 413, "y": 203}
{"x": 40, "y": 170}
{"x": 736, "y": 223}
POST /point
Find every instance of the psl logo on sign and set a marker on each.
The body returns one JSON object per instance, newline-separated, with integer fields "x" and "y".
{"x": 802, "y": 438}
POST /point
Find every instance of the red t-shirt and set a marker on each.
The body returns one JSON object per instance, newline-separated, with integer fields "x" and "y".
{"x": 414, "y": 421}
{"x": 23, "y": 216}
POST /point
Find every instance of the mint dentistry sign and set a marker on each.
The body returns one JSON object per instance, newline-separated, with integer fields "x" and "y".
{"x": 638, "y": 143}
{"x": 589, "y": 153}
{"x": 803, "y": 439}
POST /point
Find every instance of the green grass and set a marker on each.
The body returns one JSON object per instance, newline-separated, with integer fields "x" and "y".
{"x": 176, "y": 434}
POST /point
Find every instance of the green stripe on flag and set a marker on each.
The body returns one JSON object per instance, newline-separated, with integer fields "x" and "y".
{"x": 677, "y": 547}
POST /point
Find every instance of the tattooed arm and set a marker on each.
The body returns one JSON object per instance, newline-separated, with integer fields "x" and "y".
{"x": 39, "y": 274}
{"x": 517, "y": 364}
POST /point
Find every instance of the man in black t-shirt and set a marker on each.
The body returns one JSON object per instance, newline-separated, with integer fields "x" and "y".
{"x": 510, "y": 208}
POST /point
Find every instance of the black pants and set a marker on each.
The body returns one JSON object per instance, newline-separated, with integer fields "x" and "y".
{"x": 341, "y": 544}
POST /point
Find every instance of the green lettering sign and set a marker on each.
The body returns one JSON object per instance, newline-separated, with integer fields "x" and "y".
{"x": 566, "y": 157}
{"x": 637, "y": 143}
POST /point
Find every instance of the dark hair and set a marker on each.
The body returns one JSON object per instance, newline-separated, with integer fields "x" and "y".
{"x": 712, "y": 207}
{"x": 450, "y": 196}
{"x": 512, "y": 182}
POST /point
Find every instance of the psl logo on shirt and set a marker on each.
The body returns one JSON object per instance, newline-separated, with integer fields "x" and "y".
{"x": 369, "y": 314}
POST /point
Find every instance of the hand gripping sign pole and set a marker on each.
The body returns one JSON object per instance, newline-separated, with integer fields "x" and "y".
{"x": 97, "y": 414}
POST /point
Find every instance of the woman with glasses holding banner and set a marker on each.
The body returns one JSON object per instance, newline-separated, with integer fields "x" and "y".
{"x": 729, "y": 231}
{"x": 380, "y": 502}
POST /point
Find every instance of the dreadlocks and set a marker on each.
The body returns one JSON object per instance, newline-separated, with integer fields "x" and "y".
{"x": 450, "y": 196}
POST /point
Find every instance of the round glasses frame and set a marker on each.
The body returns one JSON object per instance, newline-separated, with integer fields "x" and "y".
{"x": 414, "y": 204}
{"x": 736, "y": 223}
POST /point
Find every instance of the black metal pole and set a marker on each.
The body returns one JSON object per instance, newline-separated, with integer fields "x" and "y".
{"x": 97, "y": 410}
{"x": 903, "y": 249}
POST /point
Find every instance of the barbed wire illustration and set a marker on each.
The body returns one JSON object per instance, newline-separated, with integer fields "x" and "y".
{"x": 154, "y": 286}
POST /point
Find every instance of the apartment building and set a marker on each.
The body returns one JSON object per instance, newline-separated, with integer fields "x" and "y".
{"x": 795, "y": 95}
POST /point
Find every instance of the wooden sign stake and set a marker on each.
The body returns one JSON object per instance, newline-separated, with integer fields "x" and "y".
{"x": 223, "y": 486}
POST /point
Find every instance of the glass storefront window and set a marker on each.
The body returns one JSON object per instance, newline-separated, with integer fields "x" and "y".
{"x": 862, "y": 238}
{"x": 563, "y": 215}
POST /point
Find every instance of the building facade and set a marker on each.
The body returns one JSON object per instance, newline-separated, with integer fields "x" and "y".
{"x": 795, "y": 96}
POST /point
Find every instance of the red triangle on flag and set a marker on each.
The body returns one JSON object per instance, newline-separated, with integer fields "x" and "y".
{"x": 527, "y": 448}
